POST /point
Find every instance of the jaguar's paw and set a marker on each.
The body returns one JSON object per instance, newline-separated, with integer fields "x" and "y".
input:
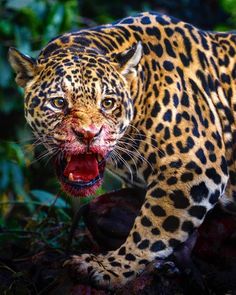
{"x": 97, "y": 271}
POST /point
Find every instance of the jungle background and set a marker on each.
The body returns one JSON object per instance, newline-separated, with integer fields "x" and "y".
{"x": 34, "y": 213}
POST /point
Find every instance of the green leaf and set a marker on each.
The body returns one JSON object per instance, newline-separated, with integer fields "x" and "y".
{"x": 16, "y": 153}
{"x": 23, "y": 35}
{"x": 18, "y": 185}
{"x": 54, "y": 19}
{"x": 16, "y": 4}
{"x": 48, "y": 198}
{"x": 5, "y": 27}
{"x": 5, "y": 68}
{"x": 4, "y": 174}
{"x": 228, "y": 5}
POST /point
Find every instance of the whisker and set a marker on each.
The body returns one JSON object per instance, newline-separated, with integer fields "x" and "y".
{"x": 44, "y": 154}
{"x": 113, "y": 159}
{"x": 124, "y": 162}
{"x": 136, "y": 153}
{"x": 143, "y": 141}
{"x": 130, "y": 154}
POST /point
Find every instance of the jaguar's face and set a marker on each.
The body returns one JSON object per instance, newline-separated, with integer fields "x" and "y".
{"x": 79, "y": 105}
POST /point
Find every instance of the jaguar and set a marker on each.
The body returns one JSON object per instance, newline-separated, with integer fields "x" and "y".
{"x": 153, "y": 99}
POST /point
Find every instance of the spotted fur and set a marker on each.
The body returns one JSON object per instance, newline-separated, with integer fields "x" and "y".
{"x": 175, "y": 115}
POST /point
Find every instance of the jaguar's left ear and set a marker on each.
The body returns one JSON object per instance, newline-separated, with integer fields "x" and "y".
{"x": 129, "y": 59}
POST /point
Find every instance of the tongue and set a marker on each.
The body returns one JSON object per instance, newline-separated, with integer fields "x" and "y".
{"x": 82, "y": 167}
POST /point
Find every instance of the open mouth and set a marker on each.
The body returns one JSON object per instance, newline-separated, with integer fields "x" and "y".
{"x": 81, "y": 174}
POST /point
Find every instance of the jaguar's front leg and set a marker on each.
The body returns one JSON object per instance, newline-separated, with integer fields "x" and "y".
{"x": 177, "y": 199}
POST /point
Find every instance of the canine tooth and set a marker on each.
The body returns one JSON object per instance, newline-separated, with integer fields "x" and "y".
{"x": 68, "y": 158}
{"x": 71, "y": 177}
{"x": 99, "y": 158}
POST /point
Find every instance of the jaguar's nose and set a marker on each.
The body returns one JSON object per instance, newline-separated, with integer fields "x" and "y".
{"x": 88, "y": 134}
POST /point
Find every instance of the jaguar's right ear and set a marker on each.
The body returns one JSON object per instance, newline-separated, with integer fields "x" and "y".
{"x": 23, "y": 65}
{"x": 128, "y": 60}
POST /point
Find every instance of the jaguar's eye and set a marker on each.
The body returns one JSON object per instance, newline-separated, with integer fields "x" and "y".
{"x": 108, "y": 103}
{"x": 58, "y": 102}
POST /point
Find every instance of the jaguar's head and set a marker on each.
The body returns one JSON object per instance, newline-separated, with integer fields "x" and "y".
{"x": 78, "y": 102}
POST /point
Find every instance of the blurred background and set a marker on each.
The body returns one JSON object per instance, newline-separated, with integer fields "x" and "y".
{"x": 27, "y": 183}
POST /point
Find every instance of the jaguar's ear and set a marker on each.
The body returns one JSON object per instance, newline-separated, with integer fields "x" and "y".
{"x": 129, "y": 59}
{"x": 23, "y": 65}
